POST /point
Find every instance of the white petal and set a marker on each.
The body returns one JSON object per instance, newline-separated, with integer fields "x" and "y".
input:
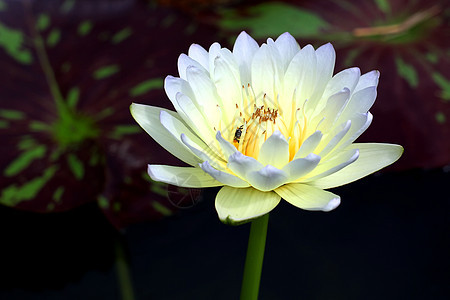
{"x": 184, "y": 62}
{"x": 334, "y": 138}
{"x": 177, "y": 127}
{"x": 326, "y": 57}
{"x": 267, "y": 178}
{"x": 225, "y": 178}
{"x": 309, "y": 145}
{"x": 205, "y": 154}
{"x": 235, "y": 206}
{"x": 360, "y": 123}
{"x": 226, "y": 146}
{"x": 347, "y": 78}
{"x": 227, "y": 81}
{"x": 195, "y": 118}
{"x": 148, "y": 118}
{"x": 213, "y": 53}
{"x": 332, "y": 165}
{"x": 182, "y": 176}
{"x": 360, "y": 102}
{"x": 300, "y": 76}
{"x": 199, "y": 54}
{"x": 367, "y": 80}
{"x": 206, "y": 98}
{"x": 308, "y": 197}
{"x": 266, "y": 75}
{"x": 288, "y": 48}
{"x": 274, "y": 151}
{"x": 241, "y": 165}
{"x": 301, "y": 166}
{"x": 244, "y": 49}
{"x": 372, "y": 157}
{"x": 173, "y": 86}
{"x": 331, "y": 112}
{"x": 229, "y": 59}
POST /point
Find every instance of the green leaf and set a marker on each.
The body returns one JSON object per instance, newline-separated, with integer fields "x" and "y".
{"x": 85, "y": 27}
{"x": 24, "y": 160}
{"x": 383, "y": 5}
{"x": 43, "y": 22}
{"x": 58, "y": 194}
{"x": 39, "y": 126}
{"x": 106, "y": 71}
{"x": 407, "y": 72}
{"x": 12, "y": 41}
{"x": 102, "y": 202}
{"x": 122, "y": 130}
{"x": 12, "y": 114}
{"x": 272, "y": 19}
{"x": 72, "y": 97}
{"x": 73, "y": 129}
{"x": 26, "y": 143}
{"x": 444, "y": 84}
{"x": 53, "y": 37}
{"x": 146, "y": 86}
{"x": 440, "y": 117}
{"x": 67, "y": 6}
{"x": 121, "y": 35}
{"x": 159, "y": 188}
{"x": 14, "y": 194}
{"x": 76, "y": 166}
{"x": 161, "y": 209}
{"x": 432, "y": 57}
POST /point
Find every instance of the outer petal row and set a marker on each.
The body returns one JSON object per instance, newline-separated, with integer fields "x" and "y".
{"x": 182, "y": 176}
{"x": 372, "y": 157}
{"x": 308, "y": 197}
{"x": 224, "y": 177}
{"x": 148, "y": 117}
{"x": 236, "y": 206}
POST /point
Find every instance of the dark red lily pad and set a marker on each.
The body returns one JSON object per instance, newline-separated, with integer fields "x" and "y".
{"x": 408, "y": 41}
{"x": 70, "y": 71}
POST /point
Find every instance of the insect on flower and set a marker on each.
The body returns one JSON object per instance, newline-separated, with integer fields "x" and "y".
{"x": 238, "y": 133}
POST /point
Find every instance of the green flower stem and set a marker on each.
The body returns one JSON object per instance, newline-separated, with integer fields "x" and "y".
{"x": 123, "y": 272}
{"x": 254, "y": 259}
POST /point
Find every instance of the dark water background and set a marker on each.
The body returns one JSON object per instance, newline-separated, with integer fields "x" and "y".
{"x": 387, "y": 240}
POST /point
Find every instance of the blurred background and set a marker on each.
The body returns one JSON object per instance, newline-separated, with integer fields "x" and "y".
{"x": 80, "y": 219}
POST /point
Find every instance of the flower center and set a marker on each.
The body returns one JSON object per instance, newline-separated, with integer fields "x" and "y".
{"x": 254, "y": 130}
{"x": 257, "y": 120}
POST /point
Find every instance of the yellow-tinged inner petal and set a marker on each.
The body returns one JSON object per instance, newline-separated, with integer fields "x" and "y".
{"x": 257, "y": 120}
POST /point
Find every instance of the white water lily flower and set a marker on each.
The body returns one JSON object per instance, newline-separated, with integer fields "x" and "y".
{"x": 266, "y": 122}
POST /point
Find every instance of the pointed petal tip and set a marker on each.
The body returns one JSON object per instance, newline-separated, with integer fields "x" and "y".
{"x": 243, "y": 33}
{"x": 287, "y": 34}
{"x": 151, "y": 173}
{"x": 328, "y": 47}
{"x": 228, "y": 220}
{"x": 313, "y": 157}
{"x": 332, "y": 204}
{"x": 399, "y": 153}
{"x": 232, "y": 211}
{"x": 132, "y": 107}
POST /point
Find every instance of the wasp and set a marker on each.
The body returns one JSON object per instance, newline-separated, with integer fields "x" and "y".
{"x": 238, "y": 133}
